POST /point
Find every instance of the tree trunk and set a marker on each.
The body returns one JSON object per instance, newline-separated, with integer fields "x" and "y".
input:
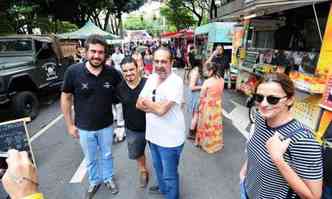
{"x": 107, "y": 18}
{"x": 120, "y": 24}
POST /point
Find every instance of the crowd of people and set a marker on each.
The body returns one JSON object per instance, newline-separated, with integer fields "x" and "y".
{"x": 283, "y": 158}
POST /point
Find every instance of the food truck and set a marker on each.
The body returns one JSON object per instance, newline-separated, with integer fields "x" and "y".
{"x": 295, "y": 40}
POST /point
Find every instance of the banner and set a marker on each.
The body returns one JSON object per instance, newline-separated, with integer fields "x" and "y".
{"x": 326, "y": 102}
{"x": 325, "y": 60}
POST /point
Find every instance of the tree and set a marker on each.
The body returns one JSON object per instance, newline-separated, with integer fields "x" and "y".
{"x": 119, "y": 7}
{"x": 106, "y": 14}
{"x": 177, "y": 15}
{"x": 24, "y": 15}
{"x": 198, "y": 7}
{"x": 152, "y": 26}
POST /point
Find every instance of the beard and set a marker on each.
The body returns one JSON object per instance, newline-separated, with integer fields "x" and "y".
{"x": 96, "y": 65}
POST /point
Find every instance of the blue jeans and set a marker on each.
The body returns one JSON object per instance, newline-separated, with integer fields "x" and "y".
{"x": 165, "y": 162}
{"x": 97, "y": 148}
{"x": 243, "y": 194}
{"x": 327, "y": 192}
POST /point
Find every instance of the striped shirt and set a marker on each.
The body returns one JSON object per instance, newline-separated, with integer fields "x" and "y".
{"x": 263, "y": 178}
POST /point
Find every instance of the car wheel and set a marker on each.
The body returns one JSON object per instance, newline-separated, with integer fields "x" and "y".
{"x": 26, "y": 104}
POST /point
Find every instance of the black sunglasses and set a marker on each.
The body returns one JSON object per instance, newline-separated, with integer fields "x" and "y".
{"x": 154, "y": 95}
{"x": 273, "y": 100}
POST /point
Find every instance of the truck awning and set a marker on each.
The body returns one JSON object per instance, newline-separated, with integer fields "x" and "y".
{"x": 266, "y": 7}
{"x": 218, "y": 32}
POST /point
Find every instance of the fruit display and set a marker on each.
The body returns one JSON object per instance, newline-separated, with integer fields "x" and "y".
{"x": 248, "y": 87}
{"x": 264, "y": 68}
{"x": 309, "y": 83}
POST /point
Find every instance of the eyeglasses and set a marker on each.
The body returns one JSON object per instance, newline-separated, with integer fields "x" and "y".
{"x": 154, "y": 95}
{"x": 160, "y": 62}
{"x": 273, "y": 100}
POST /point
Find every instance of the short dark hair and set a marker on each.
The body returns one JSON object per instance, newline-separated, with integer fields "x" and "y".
{"x": 128, "y": 60}
{"x": 163, "y": 48}
{"x": 283, "y": 80}
{"x": 96, "y": 39}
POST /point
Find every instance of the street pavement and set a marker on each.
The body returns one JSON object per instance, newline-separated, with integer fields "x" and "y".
{"x": 202, "y": 175}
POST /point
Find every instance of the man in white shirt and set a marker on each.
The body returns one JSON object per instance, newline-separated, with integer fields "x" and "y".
{"x": 117, "y": 58}
{"x": 119, "y": 131}
{"x": 161, "y": 99}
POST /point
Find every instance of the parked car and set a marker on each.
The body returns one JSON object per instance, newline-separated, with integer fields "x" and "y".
{"x": 30, "y": 65}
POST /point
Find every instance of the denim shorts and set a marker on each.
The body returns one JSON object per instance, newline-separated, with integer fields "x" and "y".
{"x": 136, "y": 143}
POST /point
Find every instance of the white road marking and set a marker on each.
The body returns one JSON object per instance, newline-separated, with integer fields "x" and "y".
{"x": 243, "y": 131}
{"x": 239, "y": 120}
{"x": 43, "y": 130}
{"x": 80, "y": 173}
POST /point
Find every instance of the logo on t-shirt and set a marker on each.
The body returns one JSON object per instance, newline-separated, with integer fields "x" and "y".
{"x": 85, "y": 86}
{"x": 107, "y": 85}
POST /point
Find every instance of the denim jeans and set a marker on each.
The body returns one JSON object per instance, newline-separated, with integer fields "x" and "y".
{"x": 97, "y": 148}
{"x": 327, "y": 192}
{"x": 165, "y": 162}
{"x": 243, "y": 194}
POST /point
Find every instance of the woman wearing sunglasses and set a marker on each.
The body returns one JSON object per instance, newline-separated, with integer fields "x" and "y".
{"x": 284, "y": 160}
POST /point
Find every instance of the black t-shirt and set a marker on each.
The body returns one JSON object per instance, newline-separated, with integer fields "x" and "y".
{"x": 222, "y": 61}
{"x": 327, "y": 157}
{"x": 93, "y": 95}
{"x": 192, "y": 59}
{"x": 134, "y": 118}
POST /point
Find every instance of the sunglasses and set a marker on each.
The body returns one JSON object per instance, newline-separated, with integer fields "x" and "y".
{"x": 154, "y": 95}
{"x": 273, "y": 100}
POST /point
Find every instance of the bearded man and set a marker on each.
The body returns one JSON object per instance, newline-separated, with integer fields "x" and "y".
{"x": 90, "y": 87}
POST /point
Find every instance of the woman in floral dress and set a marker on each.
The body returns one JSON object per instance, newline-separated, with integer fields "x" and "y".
{"x": 209, "y": 135}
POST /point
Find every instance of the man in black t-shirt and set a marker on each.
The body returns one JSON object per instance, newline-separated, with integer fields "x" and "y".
{"x": 128, "y": 92}
{"x": 90, "y": 87}
{"x": 221, "y": 59}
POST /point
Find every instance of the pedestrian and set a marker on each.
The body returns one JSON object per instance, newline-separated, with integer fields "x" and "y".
{"x": 209, "y": 134}
{"x": 148, "y": 67}
{"x": 127, "y": 92}
{"x": 119, "y": 132}
{"x": 20, "y": 179}
{"x": 283, "y": 158}
{"x": 139, "y": 59}
{"x": 196, "y": 79}
{"x": 117, "y": 57}
{"x": 161, "y": 99}
{"x": 90, "y": 87}
{"x": 221, "y": 59}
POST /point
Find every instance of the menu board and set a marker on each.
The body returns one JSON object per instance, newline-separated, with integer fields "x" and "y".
{"x": 306, "y": 109}
{"x": 251, "y": 58}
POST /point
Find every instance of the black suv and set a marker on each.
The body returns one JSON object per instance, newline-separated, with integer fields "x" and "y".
{"x": 30, "y": 64}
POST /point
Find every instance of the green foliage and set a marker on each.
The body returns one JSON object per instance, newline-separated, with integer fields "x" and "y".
{"x": 46, "y": 26}
{"x": 135, "y": 23}
{"x": 23, "y": 16}
{"x": 177, "y": 15}
{"x": 152, "y": 26}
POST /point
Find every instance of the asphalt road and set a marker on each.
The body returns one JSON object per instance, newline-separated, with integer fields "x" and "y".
{"x": 58, "y": 157}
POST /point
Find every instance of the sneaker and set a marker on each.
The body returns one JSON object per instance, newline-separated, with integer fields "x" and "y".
{"x": 111, "y": 185}
{"x": 143, "y": 179}
{"x": 92, "y": 190}
{"x": 155, "y": 190}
